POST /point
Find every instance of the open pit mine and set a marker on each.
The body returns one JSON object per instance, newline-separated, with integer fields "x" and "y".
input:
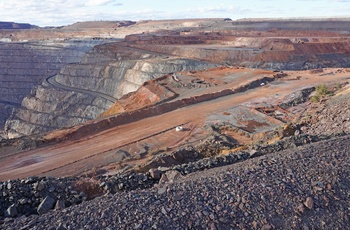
{"x": 210, "y": 123}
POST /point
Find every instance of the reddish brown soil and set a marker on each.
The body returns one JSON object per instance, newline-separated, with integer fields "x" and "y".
{"x": 148, "y": 94}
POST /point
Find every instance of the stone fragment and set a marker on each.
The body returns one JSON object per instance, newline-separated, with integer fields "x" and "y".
{"x": 51, "y": 189}
{"x": 9, "y": 185}
{"x": 11, "y": 211}
{"x": 300, "y": 209}
{"x": 61, "y": 227}
{"x": 162, "y": 189}
{"x": 309, "y": 203}
{"x": 23, "y": 201}
{"x": 172, "y": 175}
{"x": 163, "y": 179}
{"x": 30, "y": 180}
{"x": 60, "y": 205}
{"x": 164, "y": 211}
{"x": 178, "y": 156}
{"x": 46, "y": 205}
{"x": 39, "y": 186}
{"x": 155, "y": 173}
{"x": 255, "y": 224}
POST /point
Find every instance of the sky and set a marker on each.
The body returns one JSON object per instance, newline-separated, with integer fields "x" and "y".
{"x": 64, "y": 12}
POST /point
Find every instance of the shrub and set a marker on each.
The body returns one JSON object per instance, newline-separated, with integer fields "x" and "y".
{"x": 315, "y": 98}
{"x": 321, "y": 90}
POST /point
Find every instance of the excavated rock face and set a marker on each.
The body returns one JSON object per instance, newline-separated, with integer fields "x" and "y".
{"x": 82, "y": 91}
{"x": 25, "y": 65}
{"x": 290, "y": 51}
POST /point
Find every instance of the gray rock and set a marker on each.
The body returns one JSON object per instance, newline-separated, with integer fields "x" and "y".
{"x": 60, "y": 205}
{"x": 39, "y": 186}
{"x": 52, "y": 189}
{"x": 155, "y": 173}
{"x": 309, "y": 203}
{"x": 9, "y": 185}
{"x": 172, "y": 175}
{"x": 46, "y": 205}
{"x": 163, "y": 179}
{"x": 61, "y": 227}
{"x": 23, "y": 201}
{"x": 11, "y": 211}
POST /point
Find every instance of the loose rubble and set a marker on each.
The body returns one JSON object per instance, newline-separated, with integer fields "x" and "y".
{"x": 301, "y": 188}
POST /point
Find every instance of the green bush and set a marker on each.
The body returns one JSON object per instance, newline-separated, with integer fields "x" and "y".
{"x": 315, "y": 98}
{"x": 321, "y": 90}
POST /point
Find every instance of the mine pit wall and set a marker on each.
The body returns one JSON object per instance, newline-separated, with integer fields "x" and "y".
{"x": 93, "y": 127}
{"x": 266, "y": 53}
{"x": 117, "y": 70}
{"x": 48, "y": 108}
{"x": 337, "y": 25}
{"x": 25, "y": 65}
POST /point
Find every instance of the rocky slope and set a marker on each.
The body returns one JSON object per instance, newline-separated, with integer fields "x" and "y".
{"x": 304, "y": 188}
{"x": 332, "y": 117}
{"x": 109, "y": 69}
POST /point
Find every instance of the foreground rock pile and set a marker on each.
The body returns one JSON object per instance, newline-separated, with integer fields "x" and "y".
{"x": 38, "y": 195}
{"x": 303, "y": 188}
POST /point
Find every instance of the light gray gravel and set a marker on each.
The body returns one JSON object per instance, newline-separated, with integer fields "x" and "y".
{"x": 303, "y": 188}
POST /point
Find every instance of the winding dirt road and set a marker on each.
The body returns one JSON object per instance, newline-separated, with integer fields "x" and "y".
{"x": 52, "y": 81}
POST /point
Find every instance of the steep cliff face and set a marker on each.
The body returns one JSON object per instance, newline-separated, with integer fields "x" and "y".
{"x": 24, "y": 65}
{"x": 82, "y": 91}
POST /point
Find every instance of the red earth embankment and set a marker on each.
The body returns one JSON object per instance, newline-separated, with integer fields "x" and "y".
{"x": 148, "y": 94}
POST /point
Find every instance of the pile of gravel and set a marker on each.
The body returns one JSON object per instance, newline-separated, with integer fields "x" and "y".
{"x": 302, "y": 188}
{"x": 38, "y": 195}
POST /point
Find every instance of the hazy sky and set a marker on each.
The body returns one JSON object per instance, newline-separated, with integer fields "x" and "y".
{"x": 63, "y": 12}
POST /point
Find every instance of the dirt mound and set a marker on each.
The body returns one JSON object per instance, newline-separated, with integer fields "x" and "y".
{"x": 148, "y": 94}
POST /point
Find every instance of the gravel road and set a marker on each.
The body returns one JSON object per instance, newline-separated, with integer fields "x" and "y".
{"x": 303, "y": 188}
